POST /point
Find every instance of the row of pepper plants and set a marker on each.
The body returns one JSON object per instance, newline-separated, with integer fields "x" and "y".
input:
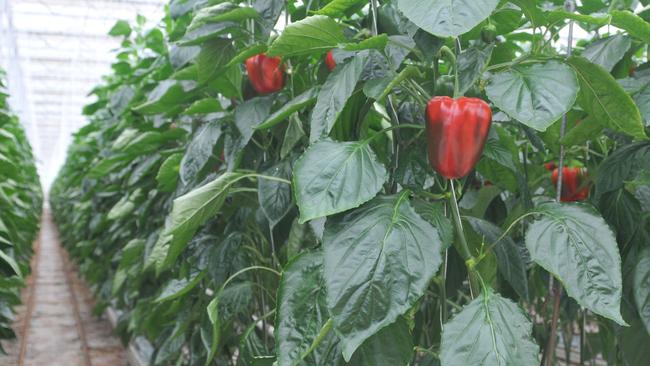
{"x": 20, "y": 211}
{"x": 371, "y": 182}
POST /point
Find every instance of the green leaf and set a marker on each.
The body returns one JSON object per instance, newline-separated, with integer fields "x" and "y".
{"x": 622, "y": 166}
{"x": 333, "y": 95}
{"x": 296, "y": 104}
{"x": 642, "y": 286}
{"x": 379, "y": 260}
{"x": 224, "y": 12}
{"x": 302, "y": 313}
{"x": 228, "y": 83}
{"x": 576, "y": 245}
{"x": 633, "y": 24}
{"x": 509, "y": 255}
{"x": 247, "y": 53}
{"x": 378, "y": 42}
{"x": 490, "y": 330}
{"x": 337, "y": 8}
{"x": 607, "y": 52}
{"x": 199, "y": 150}
{"x": 176, "y": 288}
{"x": 434, "y": 213}
{"x": 555, "y": 16}
{"x": 379, "y": 89}
{"x": 274, "y": 196}
{"x": 448, "y": 18}
{"x": 317, "y": 33}
{"x": 166, "y": 96}
{"x": 471, "y": 63}
{"x": 605, "y": 100}
{"x": 531, "y": 11}
{"x": 586, "y": 130}
{"x": 124, "y": 206}
{"x": 168, "y": 173}
{"x": 535, "y": 95}
{"x": 292, "y": 136}
{"x": 212, "y": 59}
{"x": 251, "y": 114}
{"x": 633, "y": 340}
{"x": 639, "y": 89}
{"x": 392, "y": 345}
{"x": 189, "y": 212}
{"x": 204, "y": 106}
{"x": 332, "y": 177}
{"x": 209, "y": 31}
{"x": 121, "y": 28}
{"x": 11, "y": 262}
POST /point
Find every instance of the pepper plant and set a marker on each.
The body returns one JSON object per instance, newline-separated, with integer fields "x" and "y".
{"x": 20, "y": 209}
{"x": 261, "y": 182}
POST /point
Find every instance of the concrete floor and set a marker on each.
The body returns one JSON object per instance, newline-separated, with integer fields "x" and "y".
{"x": 55, "y": 324}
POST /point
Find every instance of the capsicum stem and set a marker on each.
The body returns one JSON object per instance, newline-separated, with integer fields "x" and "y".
{"x": 464, "y": 248}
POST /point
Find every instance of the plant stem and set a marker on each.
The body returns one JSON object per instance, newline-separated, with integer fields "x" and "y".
{"x": 464, "y": 248}
{"x": 327, "y": 327}
{"x": 456, "y": 82}
{"x": 373, "y": 8}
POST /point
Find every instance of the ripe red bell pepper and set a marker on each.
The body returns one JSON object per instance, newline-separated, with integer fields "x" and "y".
{"x": 265, "y": 73}
{"x": 574, "y": 183}
{"x": 329, "y": 61}
{"x": 456, "y": 133}
{"x": 550, "y": 166}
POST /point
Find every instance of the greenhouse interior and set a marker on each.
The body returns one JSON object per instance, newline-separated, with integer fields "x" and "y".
{"x": 324, "y": 182}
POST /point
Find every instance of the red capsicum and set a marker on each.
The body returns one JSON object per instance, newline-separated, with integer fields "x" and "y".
{"x": 265, "y": 73}
{"x": 574, "y": 183}
{"x": 550, "y": 166}
{"x": 329, "y": 61}
{"x": 456, "y": 133}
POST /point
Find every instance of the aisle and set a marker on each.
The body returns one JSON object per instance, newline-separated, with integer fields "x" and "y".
{"x": 56, "y": 315}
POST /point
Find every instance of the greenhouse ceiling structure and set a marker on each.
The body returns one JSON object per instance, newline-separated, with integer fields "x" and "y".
{"x": 55, "y": 52}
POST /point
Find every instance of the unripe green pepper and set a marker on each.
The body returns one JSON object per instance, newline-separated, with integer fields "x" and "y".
{"x": 489, "y": 33}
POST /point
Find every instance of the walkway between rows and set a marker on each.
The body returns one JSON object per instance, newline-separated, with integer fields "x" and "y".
{"x": 55, "y": 325}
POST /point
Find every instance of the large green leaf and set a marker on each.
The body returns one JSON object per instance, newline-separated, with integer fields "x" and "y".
{"x": 176, "y": 288}
{"x": 200, "y": 149}
{"x": 490, "y": 330}
{"x": 607, "y": 52}
{"x": 379, "y": 260}
{"x": 224, "y": 12}
{"x": 471, "y": 63}
{"x": 301, "y": 101}
{"x": 639, "y": 89}
{"x": 447, "y": 18}
{"x": 577, "y": 246}
{"x": 622, "y": 166}
{"x": 302, "y": 313}
{"x": 633, "y": 24}
{"x": 642, "y": 286}
{"x": 189, "y": 212}
{"x": 633, "y": 340}
{"x": 605, "y": 100}
{"x": 333, "y": 95}
{"x": 509, "y": 255}
{"x": 535, "y": 95}
{"x": 275, "y": 196}
{"x": 212, "y": 59}
{"x": 250, "y": 114}
{"x": 316, "y": 33}
{"x": 337, "y": 8}
{"x": 166, "y": 96}
{"x": 333, "y": 177}
{"x": 390, "y": 346}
